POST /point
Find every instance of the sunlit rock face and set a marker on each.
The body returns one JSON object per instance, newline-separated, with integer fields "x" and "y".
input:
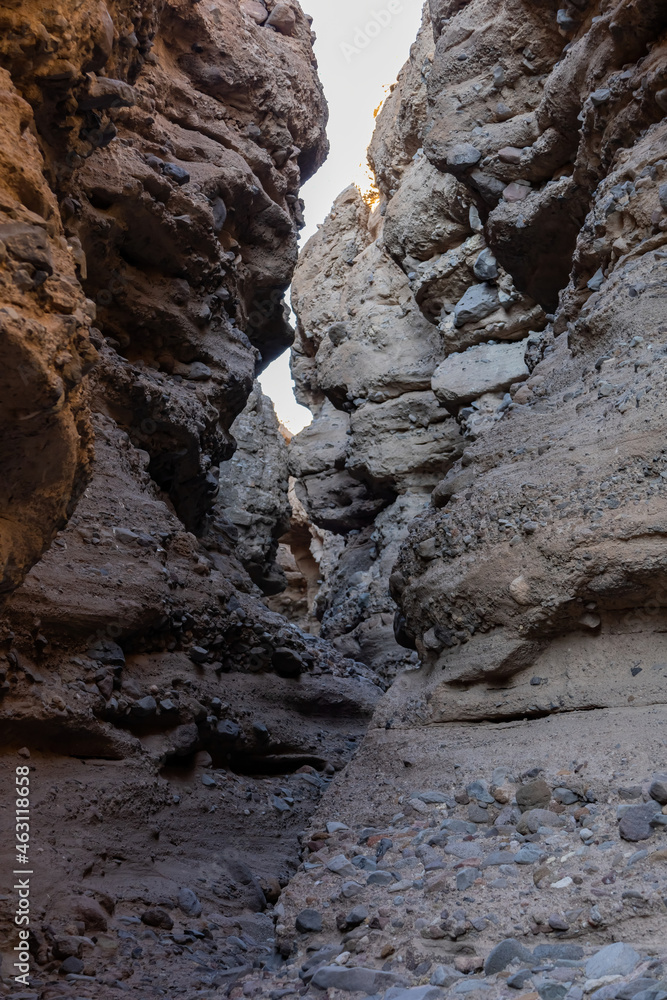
{"x": 492, "y": 327}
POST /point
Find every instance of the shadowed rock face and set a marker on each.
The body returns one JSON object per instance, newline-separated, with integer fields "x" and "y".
{"x": 151, "y": 158}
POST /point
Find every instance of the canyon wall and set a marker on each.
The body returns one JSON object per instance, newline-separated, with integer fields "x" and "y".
{"x": 485, "y": 360}
{"x": 178, "y": 732}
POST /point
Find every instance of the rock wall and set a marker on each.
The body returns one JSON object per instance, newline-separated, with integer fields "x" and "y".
{"x": 489, "y": 349}
{"x": 151, "y": 159}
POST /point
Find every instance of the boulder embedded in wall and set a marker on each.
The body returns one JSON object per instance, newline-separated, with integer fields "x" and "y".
{"x": 405, "y": 444}
{"x": 461, "y": 378}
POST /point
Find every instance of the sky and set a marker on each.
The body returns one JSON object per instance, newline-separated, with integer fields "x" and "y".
{"x": 361, "y": 46}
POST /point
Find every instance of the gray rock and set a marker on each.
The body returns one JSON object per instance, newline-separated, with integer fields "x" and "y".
{"x": 519, "y": 979}
{"x": 529, "y": 854}
{"x": 309, "y": 922}
{"x": 478, "y": 302}
{"x": 444, "y": 975}
{"x": 353, "y": 919}
{"x": 462, "y": 378}
{"x": 463, "y": 849}
{"x": 188, "y": 903}
{"x": 485, "y": 267}
{"x": 600, "y": 96}
{"x": 550, "y": 989}
{"x": 462, "y": 156}
{"x": 531, "y": 821}
{"x": 178, "y": 174}
{"x": 320, "y": 957}
{"x": 595, "y": 284}
{"x": 144, "y": 707}
{"x": 499, "y": 858}
{"x": 658, "y": 789}
{"x": 414, "y": 993}
{"x": 199, "y": 372}
{"x": 466, "y": 877}
{"x": 534, "y": 795}
{"x": 565, "y": 952}
{"x": 477, "y": 814}
{"x": 636, "y": 822}
{"x": 662, "y": 194}
{"x": 508, "y": 951}
{"x": 335, "y": 827}
{"x": 72, "y": 966}
{"x": 341, "y": 866}
{"x": 350, "y": 889}
{"x": 457, "y": 826}
{"x": 380, "y": 878}
{"x": 630, "y": 990}
{"x": 565, "y": 796}
{"x": 433, "y": 798}
{"x": 615, "y": 960}
{"x": 358, "y": 980}
{"x": 479, "y": 790}
{"x": 470, "y": 986}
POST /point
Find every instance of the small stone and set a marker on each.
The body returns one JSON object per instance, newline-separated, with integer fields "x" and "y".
{"x": 24, "y": 752}
{"x": 309, "y": 922}
{"x": 355, "y": 980}
{"x": 478, "y": 302}
{"x": 156, "y": 917}
{"x": 504, "y": 954}
{"x": 534, "y": 795}
{"x": 208, "y": 781}
{"x": 558, "y": 923}
{"x": 516, "y": 192}
{"x": 600, "y": 96}
{"x": 72, "y": 966}
{"x": 615, "y": 960}
{"x": 595, "y": 283}
{"x": 176, "y": 173}
{"x": 462, "y": 156}
{"x": 529, "y": 854}
{"x": 380, "y": 878}
{"x": 565, "y": 796}
{"x": 466, "y": 878}
{"x": 188, "y": 903}
{"x": 282, "y": 18}
{"x": 356, "y": 916}
{"x": 199, "y": 372}
{"x": 335, "y": 827}
{"x": 510, "y": 154}
{"x": 341, "y": 866}
{"x": 520, "y": 979}
{"x": 476, "y": 814}
{"x": 549, "y": 989}
{"x": 198, "y": 654}
{"x": 144, "y": 707}
{"x": 636, "y": 823}
{"x": 658, "y": 789}
{"x": 351, "y": 889}
{"x": 485, "y": 267}
{"x": 532, "y": 820}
